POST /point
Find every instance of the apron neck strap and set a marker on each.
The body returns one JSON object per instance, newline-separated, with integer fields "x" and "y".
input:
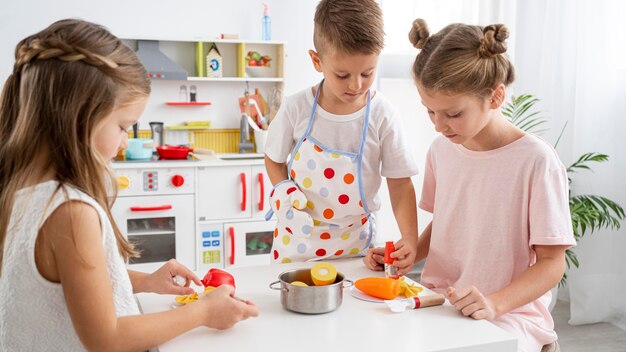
{"x": 365, "y": 122}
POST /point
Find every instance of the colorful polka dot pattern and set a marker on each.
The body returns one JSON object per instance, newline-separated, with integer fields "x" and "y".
{"x": 323, "y": 243}
{"x": 340, "y": 224}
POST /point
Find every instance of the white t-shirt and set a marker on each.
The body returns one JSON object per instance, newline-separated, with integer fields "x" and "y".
{"x": 385, "y": 152}
{"x": 33, "y": 311}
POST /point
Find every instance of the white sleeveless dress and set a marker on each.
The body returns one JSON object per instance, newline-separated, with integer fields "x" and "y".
{"x": 33, "y": 313}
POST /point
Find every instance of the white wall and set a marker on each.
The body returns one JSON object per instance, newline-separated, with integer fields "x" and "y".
{"x": 292, "y": 21}
{"x": 420, "y": 133}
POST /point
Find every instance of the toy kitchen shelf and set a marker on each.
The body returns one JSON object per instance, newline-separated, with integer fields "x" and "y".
{"x": 191, "y": 55}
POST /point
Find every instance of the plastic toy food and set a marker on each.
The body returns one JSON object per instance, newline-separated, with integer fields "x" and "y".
{"x": 387, "y": 288}
{"x": 298, "y": 283}
{"x": 409, "y": 290}
{"x": 217, "y": 277}
{"x": 380, "y": 287}
{"x": 212, "y": 279}
{"x": 254, "y": 58}
{"x": 323, "y": 274}
{"x": 186, "y": 299}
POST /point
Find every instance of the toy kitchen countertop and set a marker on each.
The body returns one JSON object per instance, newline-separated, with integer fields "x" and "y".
{"x": 195, "y": 160}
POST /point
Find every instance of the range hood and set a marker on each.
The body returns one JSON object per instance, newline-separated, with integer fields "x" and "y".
{"x": 158, "y": 65}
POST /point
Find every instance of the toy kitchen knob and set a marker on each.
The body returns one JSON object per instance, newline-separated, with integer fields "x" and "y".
{"x": 123, "y": 182}
{"x": 177, "y": 180}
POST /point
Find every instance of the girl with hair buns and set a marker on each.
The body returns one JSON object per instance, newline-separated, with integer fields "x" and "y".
{"x": 64, "y": 114}
{"x": 499, "y": 197}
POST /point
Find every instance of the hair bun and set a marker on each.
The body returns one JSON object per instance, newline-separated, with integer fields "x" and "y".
{"x": 494, "y": 40}
{"x": 419, "y": 33}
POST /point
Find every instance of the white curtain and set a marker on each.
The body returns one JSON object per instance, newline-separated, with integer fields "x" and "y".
{"x": 571, "y": 54}
{"x": 599, "y": 100}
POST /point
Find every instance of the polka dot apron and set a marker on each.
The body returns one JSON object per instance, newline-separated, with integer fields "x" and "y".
{"x": 332, "y": 182}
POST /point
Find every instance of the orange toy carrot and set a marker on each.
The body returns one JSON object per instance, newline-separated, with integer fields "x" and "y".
{"x": 380, "y": 287}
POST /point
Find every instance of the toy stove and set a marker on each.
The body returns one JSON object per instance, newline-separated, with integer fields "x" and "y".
{"x": 155, "y": 209}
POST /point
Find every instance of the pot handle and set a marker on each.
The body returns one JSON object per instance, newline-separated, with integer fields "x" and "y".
{"x": 279, "y": 288}
{"x": 349, "y": 283}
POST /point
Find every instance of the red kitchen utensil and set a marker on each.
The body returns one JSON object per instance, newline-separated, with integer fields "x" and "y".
{"x": 173, "y": 152}
{"x": 179, "y": 152}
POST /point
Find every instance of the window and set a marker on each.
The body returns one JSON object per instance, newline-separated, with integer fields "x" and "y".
{"x": 399, "y": 15}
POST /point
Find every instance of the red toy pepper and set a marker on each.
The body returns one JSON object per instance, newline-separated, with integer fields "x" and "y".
{"x": 216, "y": 277}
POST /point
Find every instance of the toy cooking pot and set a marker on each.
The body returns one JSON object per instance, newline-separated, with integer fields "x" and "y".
{"x": 139, "y": 149}
{"x": 179, "y": 152}
{"x": 309, "y": 299}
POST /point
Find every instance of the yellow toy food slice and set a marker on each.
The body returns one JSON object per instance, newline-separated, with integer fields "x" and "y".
{"x": 298, "y": 283}
{"x": 409, "y": 290}
{"x": 186, "y": 299}
{"x": 323, "y": 274}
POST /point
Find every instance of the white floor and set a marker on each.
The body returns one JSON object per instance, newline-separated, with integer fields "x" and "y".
{"x": 600, "y": 337}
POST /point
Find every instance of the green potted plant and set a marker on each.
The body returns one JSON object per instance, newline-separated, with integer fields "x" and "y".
{"x": 589, "y": 212}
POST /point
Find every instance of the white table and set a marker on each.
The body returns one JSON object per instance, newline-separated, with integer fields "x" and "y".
{"x": 356, "y": 326}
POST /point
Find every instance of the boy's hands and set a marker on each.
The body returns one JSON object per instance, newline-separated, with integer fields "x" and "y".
{"x": 286, "y": 201}
{"x": 373, "y": 260}
{"x": 472, "y": 303}
{"x": 286, "y": 194}
{"x": 405, "y": 251}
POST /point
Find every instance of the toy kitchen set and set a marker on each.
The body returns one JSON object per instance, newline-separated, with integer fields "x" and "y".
{"x": 203, "y": 211}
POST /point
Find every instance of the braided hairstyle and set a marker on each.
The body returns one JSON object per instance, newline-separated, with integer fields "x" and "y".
{"x": 461, "y": 59}
{"x": 65, "y": 80}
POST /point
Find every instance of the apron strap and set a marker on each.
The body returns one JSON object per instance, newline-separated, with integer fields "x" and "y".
{"x": 361, "y": 148}
{"x": 312, "y": 116}
{"x": 308, "y": 128}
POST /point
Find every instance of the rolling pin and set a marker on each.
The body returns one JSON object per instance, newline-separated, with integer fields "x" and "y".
{"x": 415, "y": 302}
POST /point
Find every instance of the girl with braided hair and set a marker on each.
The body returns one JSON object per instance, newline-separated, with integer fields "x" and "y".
{"x": 499, "y": 197}
{"x": 64, "y": 114}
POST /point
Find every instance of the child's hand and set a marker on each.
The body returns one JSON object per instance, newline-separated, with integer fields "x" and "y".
{"x": 404, "y": 256}
{"x": 286, "y": 195}
{"x": 373, "y": 260}
{"x": 286, "y": 201}
{"x": 471, "y": 302}
{"x": 223, "y": 310}
{"x": 162, "y": 280}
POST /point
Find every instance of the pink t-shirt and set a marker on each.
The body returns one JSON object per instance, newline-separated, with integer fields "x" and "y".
{"x": 489, "y": 209}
